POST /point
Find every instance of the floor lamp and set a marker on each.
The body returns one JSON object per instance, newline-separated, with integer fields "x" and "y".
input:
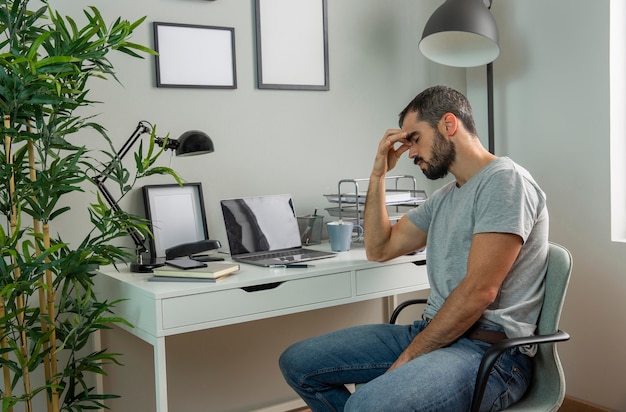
{"x": 463, "y": 33}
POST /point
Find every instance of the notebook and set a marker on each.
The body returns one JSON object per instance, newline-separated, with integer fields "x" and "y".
{"x": 263, "y": 231}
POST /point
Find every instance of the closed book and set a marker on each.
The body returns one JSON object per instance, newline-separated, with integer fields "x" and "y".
{"x": 181, "y": 279}
{"x": 213, "y": 270}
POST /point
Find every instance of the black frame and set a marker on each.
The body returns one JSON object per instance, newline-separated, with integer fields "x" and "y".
{"x": 262, "y": 83}
{"x": 224, "y": 54}
{"x": 149, "y": 191}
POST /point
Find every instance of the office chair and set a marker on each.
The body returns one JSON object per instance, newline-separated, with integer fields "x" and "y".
{"x": 547, "y": 387}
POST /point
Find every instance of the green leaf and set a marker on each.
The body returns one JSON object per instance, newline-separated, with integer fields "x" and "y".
{"x": 47, "y": 62}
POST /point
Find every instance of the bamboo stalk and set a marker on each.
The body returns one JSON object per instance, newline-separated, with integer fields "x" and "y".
{"x": 20, "y": 306}
{"x": 6, "y": 372}
{"x": 4, "y": 343}
{"x": 43, "y": 309}
{"x": 51, "y": 300}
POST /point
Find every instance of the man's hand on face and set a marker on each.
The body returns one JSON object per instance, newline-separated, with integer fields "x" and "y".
{"x": 389, "y": 152}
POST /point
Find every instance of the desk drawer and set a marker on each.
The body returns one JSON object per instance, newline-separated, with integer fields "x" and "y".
{"x": 232, "y": 303}
{"x": 386, "y": 278}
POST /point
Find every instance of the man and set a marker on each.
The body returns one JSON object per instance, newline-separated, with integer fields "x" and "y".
{"x": 487, "y": 235}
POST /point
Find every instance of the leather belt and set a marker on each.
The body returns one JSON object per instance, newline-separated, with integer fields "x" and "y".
{"x": 485, "y": 335}
{"x": 475, "y": 332}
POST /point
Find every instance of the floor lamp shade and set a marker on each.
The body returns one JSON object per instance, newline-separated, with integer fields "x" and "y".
{"x": 461, "y": 33}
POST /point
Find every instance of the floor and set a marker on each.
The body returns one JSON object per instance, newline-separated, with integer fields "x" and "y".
{"x": 569, "y": 405}
{"x": 576, "y": 405}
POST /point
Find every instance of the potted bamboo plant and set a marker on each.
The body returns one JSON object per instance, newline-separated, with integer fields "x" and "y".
{"x": 48, "y": 309}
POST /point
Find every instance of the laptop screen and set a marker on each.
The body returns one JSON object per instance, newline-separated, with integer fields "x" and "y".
{"x": 260, "y": 223}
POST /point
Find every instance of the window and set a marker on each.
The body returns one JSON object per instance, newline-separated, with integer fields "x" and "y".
{"x": 617, "y": 62}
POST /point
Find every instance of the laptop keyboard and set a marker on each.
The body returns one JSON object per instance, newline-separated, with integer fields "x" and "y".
{"x": 275, "y": 255}
{"x": 285, "y": 254}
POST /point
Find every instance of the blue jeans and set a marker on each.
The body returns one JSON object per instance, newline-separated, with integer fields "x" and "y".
{"x": 442, "y": 380}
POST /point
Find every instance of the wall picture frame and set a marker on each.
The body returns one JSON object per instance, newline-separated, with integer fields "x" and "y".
{"x": 195, "y": 56}
{"x": 292, "y": 44}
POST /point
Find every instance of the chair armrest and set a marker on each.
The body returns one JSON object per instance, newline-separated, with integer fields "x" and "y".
{"x": 492, "y": 354}
{"x": 398, "y": 309}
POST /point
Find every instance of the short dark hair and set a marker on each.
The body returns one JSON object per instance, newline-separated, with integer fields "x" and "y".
{"x": 431, "y": 104}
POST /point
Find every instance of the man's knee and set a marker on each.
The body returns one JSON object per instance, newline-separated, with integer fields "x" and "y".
{"x": 288, "y": 361}
{"x": 357, "y": 402}
{"x": 366, "y": 399}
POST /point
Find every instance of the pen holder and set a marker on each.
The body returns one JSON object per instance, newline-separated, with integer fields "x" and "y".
{"x": 310, "y": 229}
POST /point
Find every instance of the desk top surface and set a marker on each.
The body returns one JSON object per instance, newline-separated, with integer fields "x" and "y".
{"x": 250, "y": 275}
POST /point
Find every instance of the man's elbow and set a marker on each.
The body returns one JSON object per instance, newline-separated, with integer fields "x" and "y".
{"x": 487, "y": 296}
{"x": 376, "y": 255}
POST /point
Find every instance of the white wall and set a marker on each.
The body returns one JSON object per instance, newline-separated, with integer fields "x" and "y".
{"x": 267, "y": 141}
{"x": 552, "y": 116}
{"x": 273, "y": 141}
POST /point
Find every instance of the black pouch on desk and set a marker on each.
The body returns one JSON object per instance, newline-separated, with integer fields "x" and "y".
{"x": 185, "y": 264}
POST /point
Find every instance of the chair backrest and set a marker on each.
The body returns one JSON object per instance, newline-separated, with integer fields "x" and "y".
{"x": 547, "y": 388}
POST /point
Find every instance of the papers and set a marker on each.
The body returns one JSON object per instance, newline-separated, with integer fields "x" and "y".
{"x": 391, "y": 197}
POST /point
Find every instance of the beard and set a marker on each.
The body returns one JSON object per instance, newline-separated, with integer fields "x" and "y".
{"x": 442, "y": 156}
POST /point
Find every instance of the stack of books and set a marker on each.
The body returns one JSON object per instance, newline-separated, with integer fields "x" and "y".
{"x": 210, "y": 272}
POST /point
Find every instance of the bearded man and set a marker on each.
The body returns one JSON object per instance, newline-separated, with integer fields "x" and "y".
{"x": 487, "y": 237}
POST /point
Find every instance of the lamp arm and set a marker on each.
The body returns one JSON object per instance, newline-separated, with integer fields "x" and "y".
{"x": 142, "y": 127}
{"x": 138, "y": 238}
{"x": 166, "y": 144}
{"x": 135, "y": 234}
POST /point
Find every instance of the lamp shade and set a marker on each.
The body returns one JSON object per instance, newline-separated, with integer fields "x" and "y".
{"x": 194, "y": 142}
{"x": 461, "y": 33}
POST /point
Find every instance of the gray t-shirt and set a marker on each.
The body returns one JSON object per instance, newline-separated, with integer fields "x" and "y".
{"x": 502, "y": 198}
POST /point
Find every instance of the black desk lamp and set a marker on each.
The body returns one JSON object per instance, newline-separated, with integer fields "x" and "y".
{"x": 190, "y": 143}
{"x": 463, "y": 33}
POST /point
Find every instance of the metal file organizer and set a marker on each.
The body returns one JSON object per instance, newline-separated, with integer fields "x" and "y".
{"x": 401, "y": 194}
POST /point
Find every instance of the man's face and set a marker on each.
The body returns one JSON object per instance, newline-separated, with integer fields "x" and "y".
{"x": 430, "y": 149}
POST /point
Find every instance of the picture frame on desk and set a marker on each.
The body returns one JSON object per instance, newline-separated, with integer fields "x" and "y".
{"x": 176, "y": 214}
{"x": 195, "y": 56}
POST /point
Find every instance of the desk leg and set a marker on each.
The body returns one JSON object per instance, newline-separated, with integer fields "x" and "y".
{"x": 391, "y": 303}
{"x": 160, "y": 375}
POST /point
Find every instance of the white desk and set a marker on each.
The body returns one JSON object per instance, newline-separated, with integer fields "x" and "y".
{"x": 160, "y": 309}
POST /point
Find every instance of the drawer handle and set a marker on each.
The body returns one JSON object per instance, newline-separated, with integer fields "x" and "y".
{"x": 265, "y": 286}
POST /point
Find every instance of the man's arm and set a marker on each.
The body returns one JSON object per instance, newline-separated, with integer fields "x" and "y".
{"x": 382, "y": 241}
{"x": 490, "y": 259}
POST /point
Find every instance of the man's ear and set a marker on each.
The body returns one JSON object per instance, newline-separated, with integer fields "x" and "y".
{"x": 448, "y": 124}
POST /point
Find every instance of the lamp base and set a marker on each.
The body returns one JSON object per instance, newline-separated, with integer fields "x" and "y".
{"x": 146, "y": 265}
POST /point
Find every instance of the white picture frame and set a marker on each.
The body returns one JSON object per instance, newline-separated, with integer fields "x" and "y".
{"x": 176, "y": 215}
{"x": 195, "y": 56}
{"x": 292, "y": 44}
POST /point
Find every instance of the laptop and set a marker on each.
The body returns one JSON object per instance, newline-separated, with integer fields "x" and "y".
{"x": 263, "y": 231}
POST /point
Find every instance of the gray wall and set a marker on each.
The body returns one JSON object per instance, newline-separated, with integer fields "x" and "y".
{"x": 273, "y": 141}
{"x": 552, "y": 99}
{"x": 552, "y": 116}
{"x": 267, "y": 141}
